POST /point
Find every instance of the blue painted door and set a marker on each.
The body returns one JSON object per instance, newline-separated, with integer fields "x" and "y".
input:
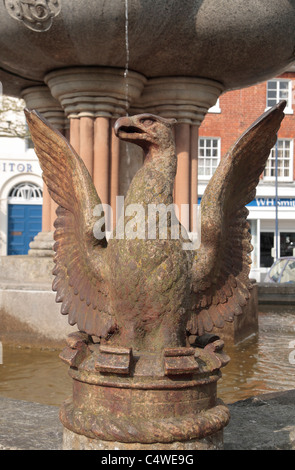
{"x": 24, "y": 222}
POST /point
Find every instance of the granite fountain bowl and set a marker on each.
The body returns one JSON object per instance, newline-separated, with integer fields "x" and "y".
{"x": 236, "y": 43}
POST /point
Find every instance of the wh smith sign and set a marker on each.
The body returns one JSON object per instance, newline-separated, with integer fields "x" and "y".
{"x": 271, "y": 202}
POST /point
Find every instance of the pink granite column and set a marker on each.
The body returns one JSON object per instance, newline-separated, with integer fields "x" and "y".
{"x": 194, "y": 143}
{"x": 182, "y": 179}
{"x": 87, "y": 142}
{"x": 101, "y": 173}
{"x": 114, "y": 170}
{"x": 75, "y": 134}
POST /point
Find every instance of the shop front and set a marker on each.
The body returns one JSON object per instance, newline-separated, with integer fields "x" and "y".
{"x": 273, "y": 232}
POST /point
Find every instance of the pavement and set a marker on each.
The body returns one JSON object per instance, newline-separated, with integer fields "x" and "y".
{"x": 265, "y": 422}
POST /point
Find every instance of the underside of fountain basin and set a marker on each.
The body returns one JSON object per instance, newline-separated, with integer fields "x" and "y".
{"x": 236, "y": 43}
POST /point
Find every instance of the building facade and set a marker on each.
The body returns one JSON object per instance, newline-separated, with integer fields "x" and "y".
{"x": 272, "y": 212}
{"x": 20, "y": 196}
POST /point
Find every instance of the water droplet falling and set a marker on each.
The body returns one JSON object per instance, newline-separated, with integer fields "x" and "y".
{"x": 126, "y": 74}
{"x": 127, "y": 56}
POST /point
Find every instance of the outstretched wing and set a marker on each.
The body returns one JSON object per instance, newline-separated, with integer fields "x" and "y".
{"x": 222, "y": 263}
{"x": 79, "y": 281}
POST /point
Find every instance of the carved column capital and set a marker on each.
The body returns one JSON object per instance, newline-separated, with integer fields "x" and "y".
{"x": 95, "y": 91}
{"x": 41, "y": 99}
{"x": 186, "y": 99}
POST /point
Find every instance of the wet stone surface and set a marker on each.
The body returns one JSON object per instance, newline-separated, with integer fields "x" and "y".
{"x": 29, "y": 426}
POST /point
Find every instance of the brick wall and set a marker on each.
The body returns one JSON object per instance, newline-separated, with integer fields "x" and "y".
{"x": 239, "y": 109}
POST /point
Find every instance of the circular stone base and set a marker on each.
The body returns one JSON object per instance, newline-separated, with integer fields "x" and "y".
{"x": 73, "y": 441}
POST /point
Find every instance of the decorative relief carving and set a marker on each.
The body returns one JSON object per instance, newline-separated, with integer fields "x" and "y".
{"x": 36, "y": 15}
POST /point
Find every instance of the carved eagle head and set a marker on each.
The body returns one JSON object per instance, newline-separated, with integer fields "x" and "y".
{"x": 145, "y": 130}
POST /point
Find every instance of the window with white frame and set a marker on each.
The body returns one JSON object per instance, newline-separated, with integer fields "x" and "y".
{"x": 277, "y": 90}
{"x": 209, "y": 156}
{"x": 284, "y": 150}
{"x": 25, "y": 192}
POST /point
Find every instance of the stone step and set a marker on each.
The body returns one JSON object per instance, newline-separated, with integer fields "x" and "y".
{"x": 26, "y": 269}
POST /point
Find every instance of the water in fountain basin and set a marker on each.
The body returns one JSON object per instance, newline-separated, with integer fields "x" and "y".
{"x": 258, "y": 365}
{"x": 34, "y": 375}
{"x": 261, "y": 363}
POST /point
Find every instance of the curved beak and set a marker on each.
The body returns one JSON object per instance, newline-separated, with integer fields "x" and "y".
{"x": 121, "y": 122}
{"x": 125, "y": 129}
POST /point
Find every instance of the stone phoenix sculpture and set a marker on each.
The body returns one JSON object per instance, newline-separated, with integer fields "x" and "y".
{"x": 151, "y": 293}
{"x": 141, "y": 386}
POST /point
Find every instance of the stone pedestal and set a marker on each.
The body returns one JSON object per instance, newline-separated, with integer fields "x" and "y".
{"x": 42, "y": 245}
{"x": 73, "y": 441}
{"x": 126, "y": 399}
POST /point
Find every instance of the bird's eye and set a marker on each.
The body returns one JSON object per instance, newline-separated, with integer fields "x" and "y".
{"x": 147, "y": 122}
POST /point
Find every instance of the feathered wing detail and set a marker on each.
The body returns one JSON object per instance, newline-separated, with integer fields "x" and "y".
{"x": 79, "y": 281}
{"x": 222, "y": 263}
